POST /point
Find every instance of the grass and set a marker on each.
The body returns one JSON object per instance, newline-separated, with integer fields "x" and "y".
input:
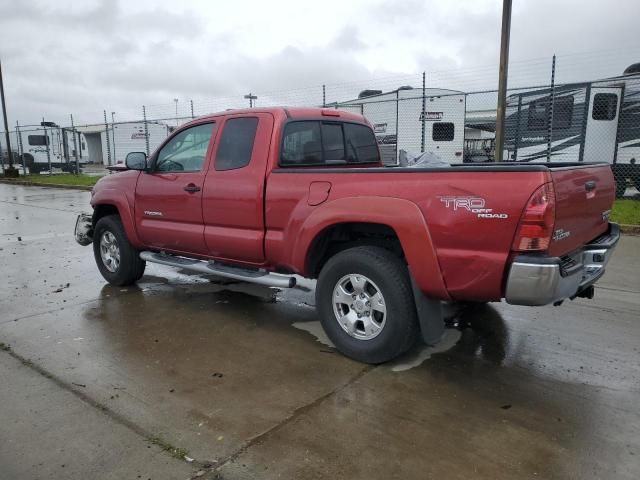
{"x": 66, "y": 179}
{"x": 626, "y": 211}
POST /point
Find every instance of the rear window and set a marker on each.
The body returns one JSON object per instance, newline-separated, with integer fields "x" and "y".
{"x": 605, "y": 106}
{"x": 38, "y": 140}
{"x": 236, "y": 143}
{"x": 443, "y": 132}
{"x": 324, "y": 143}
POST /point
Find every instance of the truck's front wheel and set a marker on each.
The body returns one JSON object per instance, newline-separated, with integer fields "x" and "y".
{"x": 118, "y": 262}
{"x": 366, "y": 304}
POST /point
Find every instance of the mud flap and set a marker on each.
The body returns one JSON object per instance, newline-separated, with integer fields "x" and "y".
{"x": 430, "y": 315}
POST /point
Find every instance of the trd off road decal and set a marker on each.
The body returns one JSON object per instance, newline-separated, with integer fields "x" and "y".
{"x": 475, "y": 205}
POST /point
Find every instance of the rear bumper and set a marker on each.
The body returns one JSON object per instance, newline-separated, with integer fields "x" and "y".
{"x": 539, "y": 280}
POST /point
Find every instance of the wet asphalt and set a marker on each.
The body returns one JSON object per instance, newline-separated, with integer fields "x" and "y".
{"x": 116, "y": 383}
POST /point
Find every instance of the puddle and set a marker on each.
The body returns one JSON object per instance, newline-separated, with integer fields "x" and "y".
{"x": 419, "y": 355}
{"x": 412, "y": 359}
{"x": 315, "y": 329}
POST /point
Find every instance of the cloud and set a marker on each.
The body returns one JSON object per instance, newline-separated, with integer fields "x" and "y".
{"x": 84, "y": 57}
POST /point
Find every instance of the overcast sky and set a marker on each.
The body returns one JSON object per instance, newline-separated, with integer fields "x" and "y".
{"x": 84, "y": 56}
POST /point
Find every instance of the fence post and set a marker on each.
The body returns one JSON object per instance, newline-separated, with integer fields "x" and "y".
{"x": 397, "y": 123}
{"x": 324, "y": 95}
{"x": 106, "y": 138}
{"x": 551, "y": 102}
{"x": 192, "y": 115}
{"x": 46, "y": 141}
{"x": 424, "y": 107}
{"x": 20, "y": 148}
{"x": 146, "y": 129}
{"x": 75, "y": 144}
{"x": 113, "y": 136}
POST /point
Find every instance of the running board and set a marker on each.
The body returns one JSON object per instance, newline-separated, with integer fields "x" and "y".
{"x": 212, "y": 268}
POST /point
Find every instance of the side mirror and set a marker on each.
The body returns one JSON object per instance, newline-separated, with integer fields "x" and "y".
{"x": 136, "y": 161}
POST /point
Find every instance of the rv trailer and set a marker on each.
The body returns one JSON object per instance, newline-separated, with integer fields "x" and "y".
{"x": 49, "y": 146}
{"x": 399, "y": 124}
{"x": 595, "y": 121}
{"x": 122, "y": 138}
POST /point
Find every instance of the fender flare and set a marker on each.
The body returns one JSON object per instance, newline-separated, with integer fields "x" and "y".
{"x": 119, "y": 200}
{"x": 403, "y": 216}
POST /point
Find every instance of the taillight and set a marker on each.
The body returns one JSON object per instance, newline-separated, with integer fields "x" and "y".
{"x": 536, "y": 223}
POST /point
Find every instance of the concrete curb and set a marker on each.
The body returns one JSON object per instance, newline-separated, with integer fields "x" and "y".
{"x": 50, "y": 185}
{"x": 630, "y": 229}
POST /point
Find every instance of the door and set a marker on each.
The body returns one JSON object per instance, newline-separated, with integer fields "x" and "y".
{"x": 168, "y": 203}
{"x": 233, "y": 197}
{"x": 602, "y": 124}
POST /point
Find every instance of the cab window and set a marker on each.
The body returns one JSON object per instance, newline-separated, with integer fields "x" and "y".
{"x": 236, "y": 143}
{"x": 311, "y": 142}
{"x": 186, "y": 151}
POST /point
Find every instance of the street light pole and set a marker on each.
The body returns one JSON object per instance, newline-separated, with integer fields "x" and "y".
{"x": 502, "y": 81}
{"x": 176, "y": 102}
{"x": 9, "y": 172}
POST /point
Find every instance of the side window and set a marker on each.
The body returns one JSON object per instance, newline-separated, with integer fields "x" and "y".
{"x": 236, "y": 143}
{"x": 38, "y": 140}
{"x": 538, "y": 115}
{"x": 320, "y": 143}
{"x": 605, "y": 106}
{"x": 361, "y": 144}
{"x": 562, "y": 112}
{"x": 443, "y": 132}
{"x": 301, "y": 144}
{"x": 186, "y": 151}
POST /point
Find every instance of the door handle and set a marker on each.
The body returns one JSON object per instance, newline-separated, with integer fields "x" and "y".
{"x": 590, "y": 185}
{"x": 191, "y": 188}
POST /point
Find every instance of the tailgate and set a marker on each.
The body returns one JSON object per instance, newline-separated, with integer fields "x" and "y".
{"x": 584, "y": 197}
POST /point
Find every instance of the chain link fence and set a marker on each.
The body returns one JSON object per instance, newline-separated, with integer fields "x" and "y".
{"x": 571, "y": 122}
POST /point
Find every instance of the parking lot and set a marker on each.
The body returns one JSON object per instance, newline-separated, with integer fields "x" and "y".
{"x": 183, "y": 376}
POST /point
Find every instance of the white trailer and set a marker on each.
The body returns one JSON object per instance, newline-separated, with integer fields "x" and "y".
{"x": 48, "y": 146}
{"x": 399, "y": 123}
{"x": 122, "y": 138}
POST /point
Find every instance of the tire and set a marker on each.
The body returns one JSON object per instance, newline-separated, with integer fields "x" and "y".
{"x": 129, "y": 267}
{"x": 375, "y": 337}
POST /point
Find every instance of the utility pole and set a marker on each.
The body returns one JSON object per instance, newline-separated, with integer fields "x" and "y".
{"x": 251, "y": 97}
{"x": 9, "y": 172}
{"x": 502, "y": 81}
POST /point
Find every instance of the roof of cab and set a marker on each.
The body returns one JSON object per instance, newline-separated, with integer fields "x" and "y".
{"x": 291, "y": 112}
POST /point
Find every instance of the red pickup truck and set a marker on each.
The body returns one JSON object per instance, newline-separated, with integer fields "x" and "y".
{"x": 264, "y": 194}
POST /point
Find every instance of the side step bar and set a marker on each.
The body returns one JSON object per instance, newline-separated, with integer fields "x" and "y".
{"x": 212, "y": 268}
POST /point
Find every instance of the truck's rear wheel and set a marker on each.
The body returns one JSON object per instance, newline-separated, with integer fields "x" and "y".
{"x": 366, "y": 304}
{"x": 118, "y": 262}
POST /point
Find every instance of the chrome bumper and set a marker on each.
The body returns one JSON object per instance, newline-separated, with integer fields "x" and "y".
{"x": 84, "y": 229}
{"x": 535, "y": 280}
